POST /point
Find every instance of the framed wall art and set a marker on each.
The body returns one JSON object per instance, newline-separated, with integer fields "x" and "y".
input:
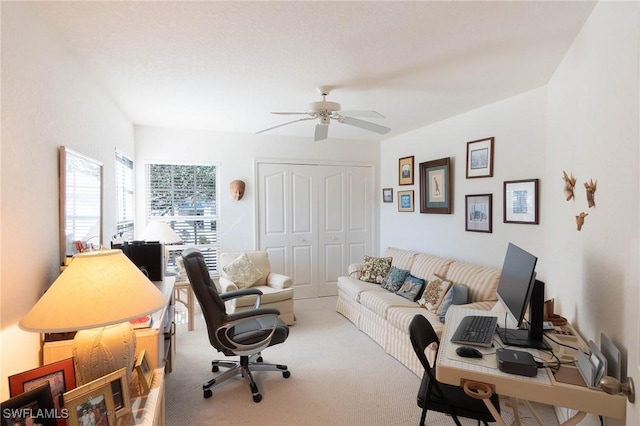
{"x": 405, "y": 201}
{"x": 521, "y": 201}
{"x": 480, "y": 158}
{"x": 479, "y": 213}
{"x": 435, "y": 186}
{"x": 405, "y": 171}
{"x": 387, "y": 195}
{"x": 34, "y": 406}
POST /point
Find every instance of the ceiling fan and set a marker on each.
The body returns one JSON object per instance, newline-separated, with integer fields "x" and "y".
{"x": 325, "y": 111}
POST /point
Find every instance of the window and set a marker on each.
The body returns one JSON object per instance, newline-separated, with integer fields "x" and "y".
{"x": 185, "y": 196}
{"x": 124, "y": 194}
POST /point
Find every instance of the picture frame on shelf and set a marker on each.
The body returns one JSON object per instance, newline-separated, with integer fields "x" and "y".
{"x": 119, "y": 391}
{"x": 91, "y": 403}
{"x": 405, "y": 201}
{"x": 405, "y": 171}
{"x": 387, "y": 195}
{"x": 480, "y": 158}
{"x": 144, "y": 371}
{"x": 521, "y": 201}
{"x": 479, "y": 213}
{"x": 436, "y": 186}
{"x": 20, "y": 408}
{"x": 61, "y": 376}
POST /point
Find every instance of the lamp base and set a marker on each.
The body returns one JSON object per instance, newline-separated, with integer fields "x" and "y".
{"x": 103, "y": 350}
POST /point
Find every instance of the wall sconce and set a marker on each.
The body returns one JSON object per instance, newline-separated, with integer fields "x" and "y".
{"x": 613, "y": 386}
{"x": 237, "y": 189}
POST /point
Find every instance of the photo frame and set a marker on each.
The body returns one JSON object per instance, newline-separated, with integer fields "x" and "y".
{"x": 480, "y": 158}
{"x": 61, "y": 376}
{"x": 405, "y": 201}
{"x": 405, "y": 171}
{"x": 144, "y": 371}
{"x": 521, "y": 201}
{"x": 119, "y": 391}
{"x": 91, "y": 403}
{"x": 387, "y": 195}
{"x": 435, "y": 186}
{"x": 479, "y": 213}
{"x": 20, "y": 408}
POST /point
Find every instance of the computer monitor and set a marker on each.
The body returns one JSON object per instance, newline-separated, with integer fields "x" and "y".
{"x": 519, "y": 289}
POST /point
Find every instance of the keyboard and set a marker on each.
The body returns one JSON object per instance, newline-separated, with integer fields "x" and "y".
{"x": 475, "y": 330}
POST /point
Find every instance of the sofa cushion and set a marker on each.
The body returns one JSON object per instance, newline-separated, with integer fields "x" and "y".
{"x": 425, "y": 265}
{"x": 458, "y": 294}
{"x": 269, "y": 295}
{"x": 381, "y": 301}
{"x": 411, "y": 288}
{"x": 259, "y": 258}
{"x": 353, "y": 288}
{"x": 374, "y": 269}
{"x": 242, "y": 271}
{"x": 481, "y": 281}
{"x": 435, "y": 290}
{"x": 400, "y": 317}
{"x": 402, "y": 259}
{"x": 394, "y": 279}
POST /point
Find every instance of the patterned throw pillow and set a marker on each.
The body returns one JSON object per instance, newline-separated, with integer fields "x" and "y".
{"x": 458, "y": 294}
{"x": 374, "y": 269}
{"x": 412, "y": 288}
{"x": 394, "y": 279}
{"x": 242, "y": 271}
{"x": 434, "y": 292}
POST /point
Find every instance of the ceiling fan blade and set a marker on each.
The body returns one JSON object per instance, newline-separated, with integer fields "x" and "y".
{"x": 365, "y": 125}
{"x": 284, "y": 124}
{"x": 289, "y": 113}
{"x": 360, "y": 113}
{"x": 322, "y": 130}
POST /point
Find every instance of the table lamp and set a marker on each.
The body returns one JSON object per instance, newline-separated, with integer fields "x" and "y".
{"x": 160, "y": 231}
{"x": 97, "y": 294}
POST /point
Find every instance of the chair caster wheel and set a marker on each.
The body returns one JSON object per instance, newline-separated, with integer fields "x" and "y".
{"x": 286, "y": 374}
{"x": 215, "y": 369}
{"x": 208, "y": 393}
{"x": 257, "y": 397}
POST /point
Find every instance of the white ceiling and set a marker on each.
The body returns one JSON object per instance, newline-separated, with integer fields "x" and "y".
{"x": 224, "y": 65}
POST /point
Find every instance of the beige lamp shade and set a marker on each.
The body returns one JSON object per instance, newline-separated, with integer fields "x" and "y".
{"x": 160, "y": 231}
{"x": 97, "y": 289}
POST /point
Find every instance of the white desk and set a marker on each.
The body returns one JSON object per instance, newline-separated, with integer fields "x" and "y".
{"x": 543, "y": 388}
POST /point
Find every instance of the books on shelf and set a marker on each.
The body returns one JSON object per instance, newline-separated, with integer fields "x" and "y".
{"x": 142, "y": 322}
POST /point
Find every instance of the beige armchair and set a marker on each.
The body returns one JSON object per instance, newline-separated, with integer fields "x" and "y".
{"x": 252, "y": 269}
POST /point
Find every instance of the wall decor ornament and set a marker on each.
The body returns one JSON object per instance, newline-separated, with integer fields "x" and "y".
{"x": 580, "y": 220}
{"x": 569, "y": 184}
{"x": 479, "y": 213}
{"x": 237, "y": 187}
{"x": 591, "y": 190}
{"x": 521, "y": 201}
{"x": 480, "y": 158}
{"x": 405, "y": 201}
{"x": 387, "y": 195}
{"x": 405, "y": 171}
{"x": 435, "y": 186}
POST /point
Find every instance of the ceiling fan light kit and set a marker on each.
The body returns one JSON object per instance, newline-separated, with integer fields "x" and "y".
{"x": 325, "y": 111}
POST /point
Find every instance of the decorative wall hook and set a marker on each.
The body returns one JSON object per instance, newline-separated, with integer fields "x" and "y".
{"x": 237, "y": 189}
{"x": 580, "y": 219}
{"x": 569, "y": 184}
{"x": 591, "y": 190}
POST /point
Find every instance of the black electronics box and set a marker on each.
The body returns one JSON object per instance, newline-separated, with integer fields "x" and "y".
{"x": 146, "y": 255}
{"x": 516, "y": 362}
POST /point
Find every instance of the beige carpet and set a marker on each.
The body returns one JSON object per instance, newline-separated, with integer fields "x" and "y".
{"x": 339, "y": 376}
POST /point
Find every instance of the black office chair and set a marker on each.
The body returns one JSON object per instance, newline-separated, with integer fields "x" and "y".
{"x": 244, "y": 333}
{"x": 441, "y": 397}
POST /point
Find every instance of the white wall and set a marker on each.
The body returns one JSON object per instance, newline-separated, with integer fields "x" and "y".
{"x": 236, "y": 156}
{"x": 48, "y": 100}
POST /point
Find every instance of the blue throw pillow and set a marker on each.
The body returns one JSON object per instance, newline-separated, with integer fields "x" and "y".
{"x": 458, "y": 294}
{"x": 411, "y": 288}
{"x": 394, "y": 279}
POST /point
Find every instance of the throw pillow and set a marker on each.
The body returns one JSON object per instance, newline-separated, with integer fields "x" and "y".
{"x": 374, "y": 269}
{"x": 394, "y": 279}
{"x": 458, "y": 294}
{"x": 242, "y": 271}
{"x": 411, "y": 288}
{"x": 434, "y": 292}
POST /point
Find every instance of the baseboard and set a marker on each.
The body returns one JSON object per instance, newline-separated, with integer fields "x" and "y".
{"x": 564, "y": 414}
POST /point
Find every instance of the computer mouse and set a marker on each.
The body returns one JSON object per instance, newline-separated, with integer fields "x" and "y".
{"x": 468, "y": 352}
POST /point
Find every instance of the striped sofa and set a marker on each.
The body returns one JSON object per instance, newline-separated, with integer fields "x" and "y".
{"x": 385, "y": 316}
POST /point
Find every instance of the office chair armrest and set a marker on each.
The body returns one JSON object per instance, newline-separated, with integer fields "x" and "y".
{"x": 280, "y": 281}
{"x": 243, "y": 292}
{"x": 251, "y": 313}
{"x": 225, "y": 332}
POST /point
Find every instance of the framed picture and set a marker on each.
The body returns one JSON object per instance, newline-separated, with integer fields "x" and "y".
{"x": 387, "y": 195}
{"x": 521, "y": 201}
{"x": 435, "y": 186}
{"x": 479, "y": 213}
{"x": 91, "y": 404}
{"x": 405, "y": 201}
{"x": 145, "y": 373}
{"x": 480, "y": 158}
{"x": 34, "y": 406}
{"x": 61, "y": 376}
{"x": 119, "y": 391}
{"x": 405, "y": 171}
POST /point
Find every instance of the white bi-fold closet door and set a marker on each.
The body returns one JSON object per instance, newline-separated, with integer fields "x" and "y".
{"x": 314, "y": 220}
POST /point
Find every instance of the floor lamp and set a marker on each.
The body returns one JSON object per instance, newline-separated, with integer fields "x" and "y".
{"x": 97, "y": 294}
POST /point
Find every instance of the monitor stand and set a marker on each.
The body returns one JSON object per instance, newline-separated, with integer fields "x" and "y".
{"x": 520, "y": 338}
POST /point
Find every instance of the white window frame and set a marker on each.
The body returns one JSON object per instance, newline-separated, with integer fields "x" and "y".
{"x": 125, "y": 205}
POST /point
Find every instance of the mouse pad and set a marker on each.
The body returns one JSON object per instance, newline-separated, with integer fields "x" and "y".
{"x": 488, "y": 359}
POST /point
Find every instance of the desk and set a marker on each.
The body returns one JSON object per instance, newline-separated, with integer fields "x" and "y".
{"x": 543, "y": 388}
{"x": 149, "y": 409}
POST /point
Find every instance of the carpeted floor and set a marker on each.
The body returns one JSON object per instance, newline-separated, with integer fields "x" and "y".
{"x": 339, "y": 376}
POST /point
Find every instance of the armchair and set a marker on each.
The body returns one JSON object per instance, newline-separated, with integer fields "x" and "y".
{"x": 238, "y": 271}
